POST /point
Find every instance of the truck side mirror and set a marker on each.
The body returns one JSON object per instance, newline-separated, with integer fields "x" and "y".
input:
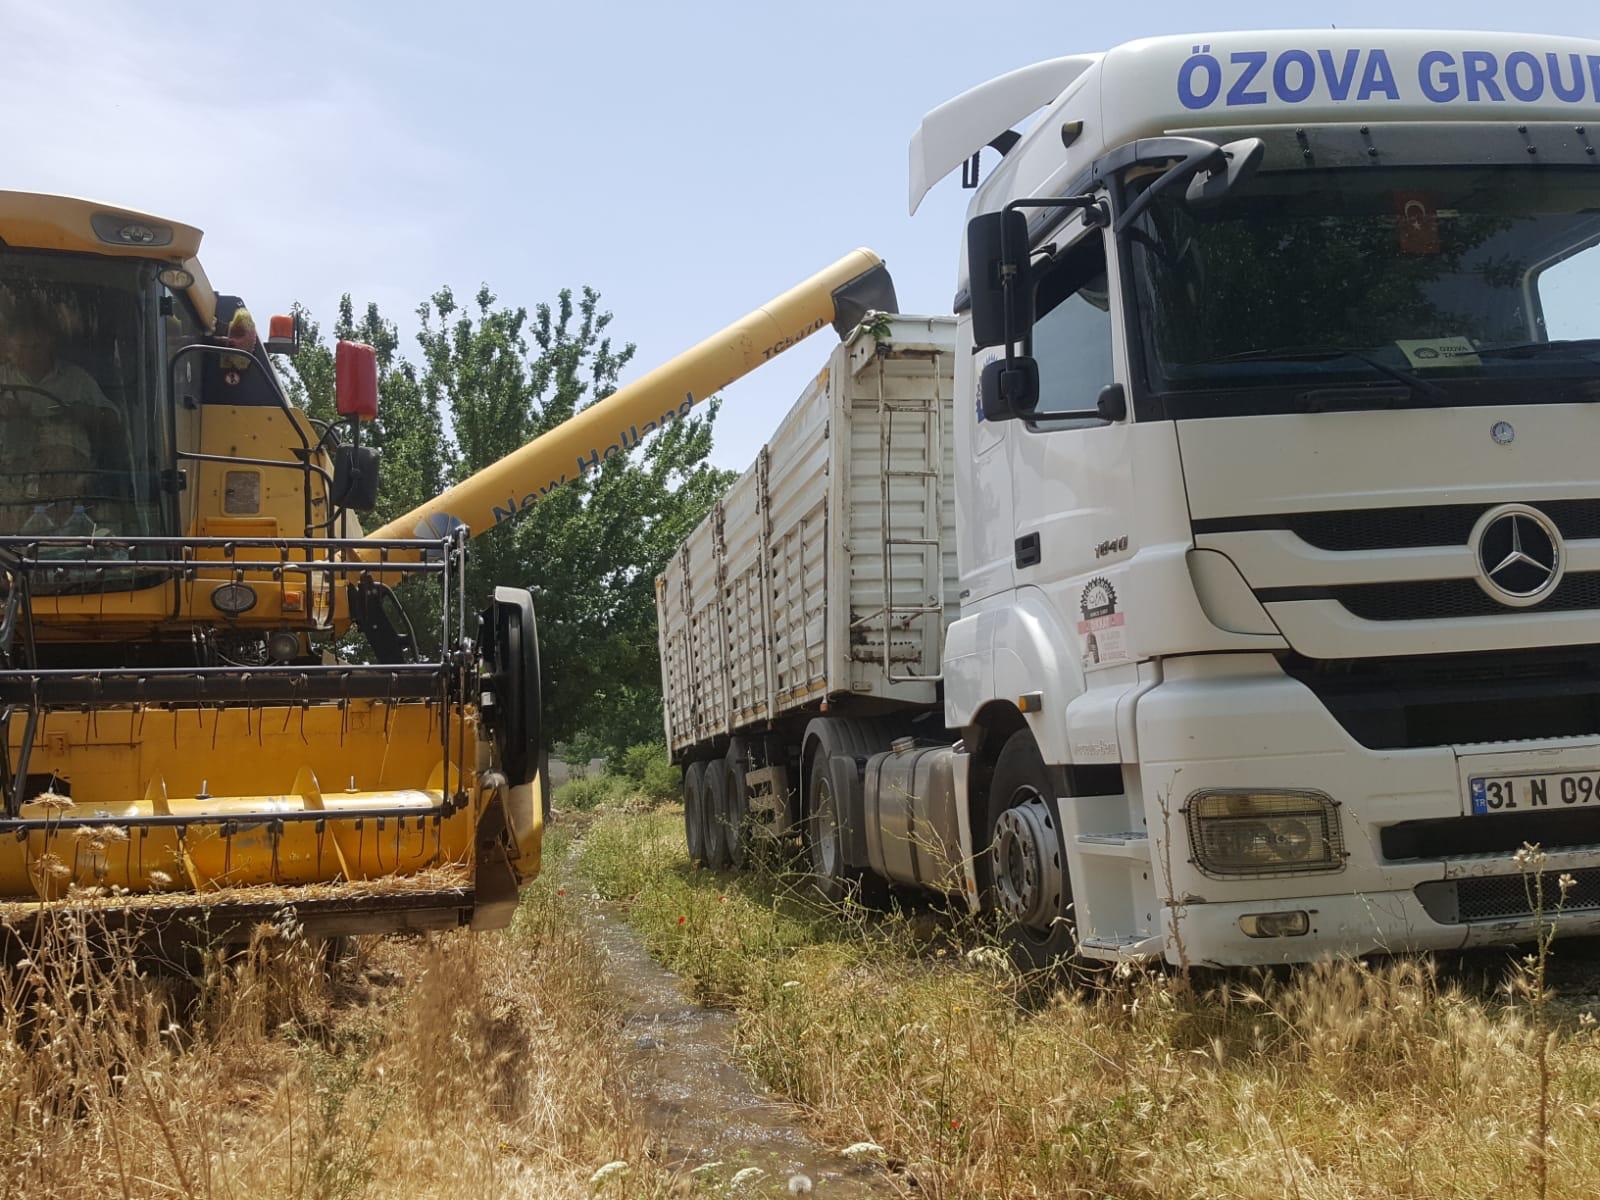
{"x": 355, "y": 478}
{"x": 1009, "y": 388}
{"x": 1112, "y": 403}
{"x": 355, "y": 372}
{"x": 998, "y": 263}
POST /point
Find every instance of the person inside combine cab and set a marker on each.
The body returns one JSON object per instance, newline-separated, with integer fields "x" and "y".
{"x": 53, "y": 417}
{"x": 35, "y": 382}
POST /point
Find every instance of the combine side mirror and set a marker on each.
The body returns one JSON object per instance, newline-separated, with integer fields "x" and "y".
{"x": 998, "y": 263}
{"x": 355, "y": 478}
{"x": 355, "y": 370}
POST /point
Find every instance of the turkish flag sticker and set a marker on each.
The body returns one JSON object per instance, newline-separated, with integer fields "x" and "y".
{"x": 1418, "y": 223}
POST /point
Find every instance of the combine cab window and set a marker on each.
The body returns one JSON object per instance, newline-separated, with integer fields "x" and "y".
{"x": 82, "y": 443}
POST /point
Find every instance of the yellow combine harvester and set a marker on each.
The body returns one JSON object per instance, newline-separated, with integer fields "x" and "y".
{"x": 187, "y": 733}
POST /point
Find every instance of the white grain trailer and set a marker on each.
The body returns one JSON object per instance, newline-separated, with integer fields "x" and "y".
{"x": 775, "y": 609}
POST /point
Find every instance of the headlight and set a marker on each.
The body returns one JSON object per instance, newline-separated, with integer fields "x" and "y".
{"x": 1244, "y": 832}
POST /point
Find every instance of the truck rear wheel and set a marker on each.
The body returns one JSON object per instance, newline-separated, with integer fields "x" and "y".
{"x": 715, "y": 814}
{"x": 1031, "y": 890}
{"x": 694, "y": 822}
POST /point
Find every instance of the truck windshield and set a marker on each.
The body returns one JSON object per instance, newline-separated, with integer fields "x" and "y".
{"x": 1391, "y": 287}
{"x": 81, "y": 443}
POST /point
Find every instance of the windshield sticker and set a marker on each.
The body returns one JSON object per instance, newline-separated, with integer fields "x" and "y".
{"x": 1439, "y": 352}
{"x": 1102, "y": 628}
{"x": 1248, "y": 77}
{"x": 1418, "y": 225}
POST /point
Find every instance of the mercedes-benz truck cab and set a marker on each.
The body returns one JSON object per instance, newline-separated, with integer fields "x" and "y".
{"x": 1286, "y": 499}
{"x": 1273, "y": 622}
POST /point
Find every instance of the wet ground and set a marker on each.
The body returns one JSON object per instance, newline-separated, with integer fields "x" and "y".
{"x": 698, "y": 1105}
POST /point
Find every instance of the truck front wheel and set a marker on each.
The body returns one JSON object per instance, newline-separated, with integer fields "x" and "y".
{"x": 1028, "y": 858}
{"x": 823, "y": 848}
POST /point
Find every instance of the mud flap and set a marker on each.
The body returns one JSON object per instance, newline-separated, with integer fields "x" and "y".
{"x": 495, "y": 893}
{"x": 850, "y": 809}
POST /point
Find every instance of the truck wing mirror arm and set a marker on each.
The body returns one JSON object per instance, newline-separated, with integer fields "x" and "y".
{"x": 1212, "y": 171}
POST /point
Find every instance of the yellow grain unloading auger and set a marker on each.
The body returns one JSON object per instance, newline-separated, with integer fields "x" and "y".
{"x": 182, "y": 733}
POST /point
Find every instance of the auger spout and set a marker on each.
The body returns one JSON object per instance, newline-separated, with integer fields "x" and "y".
{"x": 840, "y": 295}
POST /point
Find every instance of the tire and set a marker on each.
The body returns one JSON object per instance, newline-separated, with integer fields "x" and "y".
{"x": 737, "y": 816}
{"x": 716, "y": 816}
{"x": 824, "y": 848}
{"x": 1027, "y": 858}
{"x": 694, "y": 824}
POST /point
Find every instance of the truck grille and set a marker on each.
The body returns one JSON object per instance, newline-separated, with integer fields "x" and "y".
{"x": 1403, "y": 528}
{"x": 1450, "y": 837}
{"x": 1436, "y": 599}
{"x": 1509, "y": 897}
{"x": 1439, "y": 700}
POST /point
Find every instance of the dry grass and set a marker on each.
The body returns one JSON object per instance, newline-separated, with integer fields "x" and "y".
{"x": 1349, "y": 1080}
{"x": 450, "y": 1066}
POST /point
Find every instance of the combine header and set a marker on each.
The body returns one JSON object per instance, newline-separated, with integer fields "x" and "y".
{"x": 213, "y": 706}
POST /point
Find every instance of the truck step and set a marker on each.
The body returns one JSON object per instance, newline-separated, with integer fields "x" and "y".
{"x": 1120, "y": 946}
{"x": 1135, "y": 844}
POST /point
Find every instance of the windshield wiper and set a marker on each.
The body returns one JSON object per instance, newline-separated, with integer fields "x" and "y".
{"x": 1327, "y": 354}
{"x": 1529, "y": 349}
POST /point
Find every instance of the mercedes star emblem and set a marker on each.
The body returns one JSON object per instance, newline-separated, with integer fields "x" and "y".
{"x": 1518, "y": 553}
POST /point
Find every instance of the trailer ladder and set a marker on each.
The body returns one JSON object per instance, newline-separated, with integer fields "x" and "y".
{"x": 926, "y": 414}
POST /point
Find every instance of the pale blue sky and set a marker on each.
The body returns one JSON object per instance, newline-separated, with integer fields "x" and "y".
{"x": 689, "y": 160}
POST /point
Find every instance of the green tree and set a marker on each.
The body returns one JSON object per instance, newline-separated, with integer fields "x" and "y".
{"x": 490, "y": 378}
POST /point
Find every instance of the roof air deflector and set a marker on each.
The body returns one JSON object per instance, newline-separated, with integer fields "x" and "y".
{"x": 959, "y": 128}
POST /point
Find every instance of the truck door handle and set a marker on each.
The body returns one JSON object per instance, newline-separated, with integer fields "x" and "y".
{"x": 1028, "y": 553}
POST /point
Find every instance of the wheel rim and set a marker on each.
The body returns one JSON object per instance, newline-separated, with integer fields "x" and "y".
{"x": 694, "y": 824}
{"x": 710, "y": 825}
{"x": 735, "y": 830}
{"x": 1026, "y": 855}
{"x": 824, "y": 834}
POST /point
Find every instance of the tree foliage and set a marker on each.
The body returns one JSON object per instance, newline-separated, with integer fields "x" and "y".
{"x": 488, "y": 378}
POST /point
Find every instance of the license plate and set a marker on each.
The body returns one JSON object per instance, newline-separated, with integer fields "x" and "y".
{"x": 1522, "y": 793}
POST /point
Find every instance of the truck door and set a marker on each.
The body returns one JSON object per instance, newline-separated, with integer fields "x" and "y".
{"x": 1072, "y": 477}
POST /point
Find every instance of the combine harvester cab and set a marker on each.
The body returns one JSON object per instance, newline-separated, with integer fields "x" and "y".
{"x": 194, "y": 733}
{"x": 193, "y": 729}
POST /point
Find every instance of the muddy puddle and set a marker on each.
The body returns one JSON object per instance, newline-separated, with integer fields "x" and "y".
{"x": 696, "y": 1103}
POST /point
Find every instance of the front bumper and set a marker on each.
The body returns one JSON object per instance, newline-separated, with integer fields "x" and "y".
{"x": 1239, "y": 722}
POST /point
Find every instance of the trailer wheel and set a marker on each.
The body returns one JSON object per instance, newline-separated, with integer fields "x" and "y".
{"x": 715, "y": 811}
{"x": 694, "y": 823}
{"x": 1031, "y": 890}
{"x": 737, "y": 822}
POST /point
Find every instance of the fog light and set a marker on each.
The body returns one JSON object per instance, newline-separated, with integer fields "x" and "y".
{"x": 1237, "y": 831}
{"x": 1275, "y": 924}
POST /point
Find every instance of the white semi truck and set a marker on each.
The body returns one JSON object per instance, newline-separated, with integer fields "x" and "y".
{"x": 1245, "y": 607}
